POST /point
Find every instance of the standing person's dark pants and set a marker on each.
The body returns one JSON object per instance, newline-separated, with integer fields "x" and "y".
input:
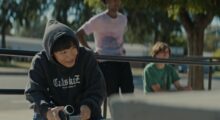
{"x": 117, "y": 75}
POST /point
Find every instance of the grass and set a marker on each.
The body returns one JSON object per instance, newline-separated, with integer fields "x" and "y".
{"x": 216, "y": 74}
{"x": 137, "y": 71}
{"x": 15, "y": 64}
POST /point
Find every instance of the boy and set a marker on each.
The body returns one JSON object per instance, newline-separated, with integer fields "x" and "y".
{"x": 64, "y": 74}
{"x": 160, "y": 76}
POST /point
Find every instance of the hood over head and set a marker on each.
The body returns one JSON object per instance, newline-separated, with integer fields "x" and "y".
{"x": 53, "y": 31}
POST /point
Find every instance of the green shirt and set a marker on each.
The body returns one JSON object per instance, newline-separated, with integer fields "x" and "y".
{"x": 165, "y": 77}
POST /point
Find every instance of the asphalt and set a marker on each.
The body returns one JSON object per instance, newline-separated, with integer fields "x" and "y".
{"x": 13, "y": 71}
{"x": 22, "y": 111}
{"x": 15, "y": 107}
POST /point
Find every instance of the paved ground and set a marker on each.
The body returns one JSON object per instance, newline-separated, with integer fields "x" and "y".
{"x": 15, "y": 107}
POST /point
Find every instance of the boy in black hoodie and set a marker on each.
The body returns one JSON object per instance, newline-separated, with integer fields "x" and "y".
{"x": 64, "y": 74}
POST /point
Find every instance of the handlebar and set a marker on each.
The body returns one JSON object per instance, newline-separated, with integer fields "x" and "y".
{"x": 67, "y": 112}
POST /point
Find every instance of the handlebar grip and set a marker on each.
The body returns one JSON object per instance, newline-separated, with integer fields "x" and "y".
{"x": 62, "y": 115}
{"x": 68, "y": 110}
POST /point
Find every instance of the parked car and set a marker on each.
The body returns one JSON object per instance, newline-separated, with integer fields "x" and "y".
{"x": 183, "y": 68}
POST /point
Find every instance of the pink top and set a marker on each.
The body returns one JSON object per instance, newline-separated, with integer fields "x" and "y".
{"x": 108, "y": 33}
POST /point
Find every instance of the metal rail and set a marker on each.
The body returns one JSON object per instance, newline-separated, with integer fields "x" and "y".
{"x": 144, "y": 59}
{"x": 175, "y": 60}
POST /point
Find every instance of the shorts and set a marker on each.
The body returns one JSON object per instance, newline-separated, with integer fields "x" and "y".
{"x": 117, "y": 75}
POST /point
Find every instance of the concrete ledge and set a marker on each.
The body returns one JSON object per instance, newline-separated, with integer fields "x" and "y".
{"x": 195, "y": 105}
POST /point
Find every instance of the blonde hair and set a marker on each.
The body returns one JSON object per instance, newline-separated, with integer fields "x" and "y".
{"x": 158, "y": 47}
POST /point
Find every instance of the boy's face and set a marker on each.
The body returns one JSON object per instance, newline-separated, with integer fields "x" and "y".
{"x": 66, "y": 57}
{"x": 163, "y": 54}
{"x": 113, "y": 5}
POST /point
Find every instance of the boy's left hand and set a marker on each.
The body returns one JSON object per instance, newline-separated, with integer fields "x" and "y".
{"x": 187, "y": 88}
{"x": 85, "y": 112}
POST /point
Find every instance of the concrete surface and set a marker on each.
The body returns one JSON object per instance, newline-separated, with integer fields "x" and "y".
{"x": 193, "y": 105}
{"x": 15, "y": 107}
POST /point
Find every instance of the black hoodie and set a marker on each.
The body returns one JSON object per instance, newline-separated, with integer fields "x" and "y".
{"x": 51, "y": 84}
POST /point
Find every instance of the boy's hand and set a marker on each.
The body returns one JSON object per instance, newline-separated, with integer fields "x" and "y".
{"x": 156, "y": 87}
{"x": 85, "y": 112}
{"x": 187, "y": 88}
{"x": 53, "y": 113}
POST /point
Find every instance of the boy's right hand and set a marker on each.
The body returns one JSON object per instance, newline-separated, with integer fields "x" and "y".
{"x": 53, "y": 113}
{"x": 187, "y": 88}
{"x": 156, "y": 87}
{"x": 85, "y": 112}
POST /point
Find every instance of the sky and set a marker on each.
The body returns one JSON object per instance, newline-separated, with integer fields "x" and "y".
{"x": 216, "y": 21}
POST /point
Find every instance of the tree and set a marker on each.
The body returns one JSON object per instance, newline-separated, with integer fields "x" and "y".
{"x": 195, "y": 16}
{"x": 71, "y": 12}
{"x": 194, "y": 22}
{"x": 33, "y": 30}
{"x": 8, "y": 8}
{"x": 154, "y": 22}
{"x": 65, "y": 9}
{"x": 21, "y": 11}
{"x": 61, "y": 9}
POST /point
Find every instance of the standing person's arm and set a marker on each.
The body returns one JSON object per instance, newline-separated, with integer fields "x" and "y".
{"x": 125, "y": 30}
{"x": 80, "y": 34}
{"x": 86, "y": 29}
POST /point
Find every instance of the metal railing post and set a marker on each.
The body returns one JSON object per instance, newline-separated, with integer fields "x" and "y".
{"x": 210, "y": 75}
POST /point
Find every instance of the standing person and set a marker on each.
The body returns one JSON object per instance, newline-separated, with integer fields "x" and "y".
{"x": 64, "y": 74}
{"x": 160, "y": 76}
{"x": 108, "y": 29}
